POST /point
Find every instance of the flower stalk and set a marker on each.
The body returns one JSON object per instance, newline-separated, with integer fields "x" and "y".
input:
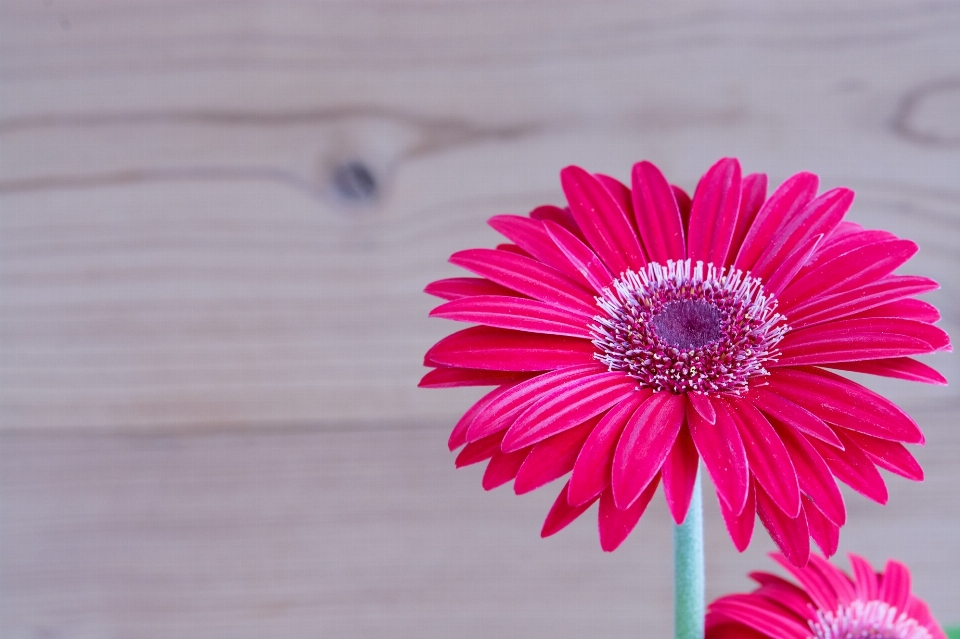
{"x": 688, "y": 584}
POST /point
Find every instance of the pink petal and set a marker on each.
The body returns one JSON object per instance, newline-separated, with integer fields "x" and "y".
{"x": 459, "y": 435}
{"x": 561, "y": 216}
{"x": 753, "y": 191}
{"x": 531, "y": 235}
{"x": 644, "y": 444}
{"x": 723, "y": 454}
{"x": 845, "y": 403}
{"x": 515, "y": 313}
{"x": 895, "y": 585}
{"x": 456, "y": 287}
{"x": 563, "y": 513}
{"x": 907, "y": 309}
{"x": 821, "y": 593}
{"x": 790, "y": 534}
{"x": 684, "y": 203}
{"x": 896, "y": 367}
{"x": 503, "y": 467}
{"x": 846, "y": 237}
{"x": 593, "y": 468}
{"x": 785, "y": 411}
{"x": 602, "y": 220}
{"x": 786, "y": 270}
{"x": 784, "y": 593}
{"x": 580, "y": 256}
{"x": 833, "y": 307}
{"x": 856, "y": 267}
{"x": 454, "y": 377}
{"x": 552, "y": 458}
{"x": 616, "y": 524}
{"x": 740, "y": 525}
{"x": 837, "y": 580}
{"x": 621, "y": 193}
{"x": 784, "y": 204}
{"x": 478, "y": 451}
{"x": 499, "y": 349}
{"x": 890, "y": 455}
{"x": 819, "y": 217}
{"x": 528, "y": 276}
{"x": 657, "y": 215}
{"x": 502, "y": 410}
{"x": 854, "y": 468}
{"x": 568, "y": 406}
{"x": 824, "y": 532}
{"x": 713, "y": 216}
{"x": 867, "y": 584}
{"x": 816, "y": 480}
{"x": 679, "y": 474}
{"x": 767, "y": 457}
{"x": 704, "y": 407}
{"x": 856, "y": 339}
{"x": 759, "y": 615}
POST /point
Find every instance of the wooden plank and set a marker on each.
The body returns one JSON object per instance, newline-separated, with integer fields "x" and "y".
{"x": 184, "y": 241}
{"x": 366, "y": 532}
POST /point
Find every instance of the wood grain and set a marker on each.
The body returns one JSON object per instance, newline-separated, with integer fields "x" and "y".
{"x": 216, "y": 219}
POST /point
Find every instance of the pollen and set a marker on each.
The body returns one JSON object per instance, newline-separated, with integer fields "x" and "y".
{"x": 684, "y": 327}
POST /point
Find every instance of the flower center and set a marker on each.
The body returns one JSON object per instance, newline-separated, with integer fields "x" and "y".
{"x": 867, "y": 620}
{"x": 680, "y": 327}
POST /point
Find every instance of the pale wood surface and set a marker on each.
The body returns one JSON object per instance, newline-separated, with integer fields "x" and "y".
{"x": 208, "y": 420}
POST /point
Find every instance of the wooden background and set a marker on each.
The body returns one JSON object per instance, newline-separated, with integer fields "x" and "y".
{"x": 217, "y": 218}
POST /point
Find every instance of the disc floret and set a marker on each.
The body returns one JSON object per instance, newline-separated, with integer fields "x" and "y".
{"x": 685, "y": 327}
{"x": 867, "y": 620}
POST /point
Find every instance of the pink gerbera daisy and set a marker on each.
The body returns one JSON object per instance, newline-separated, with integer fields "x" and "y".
{"x": 637, "y": 331}
{"x": 827, "y": 605}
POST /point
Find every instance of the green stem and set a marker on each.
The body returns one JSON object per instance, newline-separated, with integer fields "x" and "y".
{"x": 688, "y": 579}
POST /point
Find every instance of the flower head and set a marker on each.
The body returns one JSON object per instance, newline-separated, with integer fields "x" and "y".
{"x": 638, "y": 331}
{"x": 828, "y": 604}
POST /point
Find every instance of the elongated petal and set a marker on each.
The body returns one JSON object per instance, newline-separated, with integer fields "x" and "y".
{"x": 529, "y": 277}
{"x": 503, "y": 467}
{"x": 845, "y": 403}
{"x": 819, "y": 217}
{"x": 892, "y": 456}
{"x": 865, "y": 577}
{"x": 580, "y": 256}
{"x": 895, "y": 585}
{"x": 593, "y": 468}
{"x": 561, "y": 216}
{"x": 615, "y": 524}
{"x": 680, "y": 474}
{"x": 759, "y": 615}
{"x": 819, "y": 590}
{"x": 825, "y": 533}
{"x": 839, "y": 582}
{"x": 767, "y": 457}
{"x": 740, "y": 525}
{"x": 684, "y": 203}
{"x": 602, "y": 220}
{"x": 502, "y": 410}
{"x": 897, "y": 367}
{"x": 455, "y": 288}
{"x": 552, "y": 458}
{"x": 854, "y": 268}
{"x": 566, "y": 407}
{"x": 478, "y": 451}
{"x": 713, "y": 216}
{"x": 531, "y": 235}
{"x": 621, "y": 193}
{"x": 515, "y": 313}
{"x": 459, "y": 435}
{"x": 753, "y": 191}
{"x": 704, "y": 407}
{"x": 644, "y": 444}
{"x": 563, "y": 513}
{"x": 854, "y": 468}
{"x": 790, "y": 534}
{"x": 785, "y": 271}
{"x": 905, "y": 309}
{"x": 723, "y": 454}
{"x": 657, "y": 215}
{"x": 814, "y": 476}
{"x": 846, "y": 303}
{"x": 858, "y": 339}
{"x": 499, "y": 349}
{"x": 784, "y": 411}
{"x": 455, "y": 377}
{"x": 784, "y": 204}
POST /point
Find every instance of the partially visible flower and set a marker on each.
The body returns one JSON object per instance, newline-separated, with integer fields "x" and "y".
{"x": 828, "y": 604}
{"x": 639, "y": 331}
